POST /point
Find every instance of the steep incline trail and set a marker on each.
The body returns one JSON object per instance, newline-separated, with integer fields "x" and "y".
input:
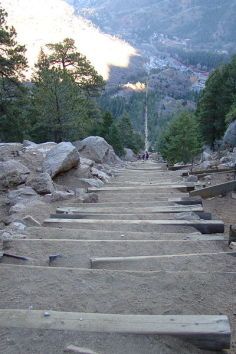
{"x": 125, "y": 275}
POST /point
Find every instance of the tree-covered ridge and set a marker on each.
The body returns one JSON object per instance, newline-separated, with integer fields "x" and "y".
{"x": 204, "y": 22}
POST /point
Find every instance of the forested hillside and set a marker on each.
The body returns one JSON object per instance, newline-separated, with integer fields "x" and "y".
{"x": 205, "y": 22}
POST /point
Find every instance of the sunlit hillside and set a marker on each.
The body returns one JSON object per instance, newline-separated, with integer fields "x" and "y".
{"x": 46, "y": 21}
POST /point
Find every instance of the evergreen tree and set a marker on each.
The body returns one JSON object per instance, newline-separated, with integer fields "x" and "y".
{"x": 216, "y": 101}
{"x": 63, "y": 108}
{"x": 64, "y": 56}
{"x": 231, "y": 116}
{"x": 130, "y": 139}
{"x": 180, "y": 142}
{"x": 115, "y": 140}
{"x": 13, "y": 95}
{"x": 104, "y": 128}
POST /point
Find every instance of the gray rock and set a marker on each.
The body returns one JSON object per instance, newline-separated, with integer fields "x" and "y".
{"x": 187, "y": 216}
{"x": 99, "y": 174}
{"x": 29, "y": 221}
{"x": 192, "y": 178}
{"x": 17, "y": 226}
{"x": 230, "y": 134}
{"x": 206, "y": 156}
{"x": 129, "y": 155}
{"x": 22, "y": 195}
{"x": 43, "y": 148}
{"x": 90, "y": 198}
{"x": 98, "y": 150}
{"x": 80, "y": 192}
{"x": 58, "y": 196}
{"x": 28, "y": 143}
{"x": 41, "y": 183}
{"x": 225, "y": 159}
{"x": 10, "y": 150}
{"x": 91, "y": 182}
{"x": 12, "y": 173}
{"x": 61, "y": 158}
{"x": 86, "y": 162}
{"x": 207, "y": 178}
{"x": 205, "y": 165}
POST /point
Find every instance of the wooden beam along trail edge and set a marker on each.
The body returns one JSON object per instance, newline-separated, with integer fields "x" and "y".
{"x": 207, "y": 332}
{"x": 186, "y": 186}
{"x": 131, "y": 210}
{"x": 96, "y": 260}
{"x": 204, "y": 226}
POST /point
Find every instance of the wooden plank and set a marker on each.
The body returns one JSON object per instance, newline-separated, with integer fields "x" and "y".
{"x": 189, "y": 238}
{"x": 78, "y": 350}
{"x": 186, "y": 200}
{"x": 206, "y": 332}
{"x": 204, "y": 226}
{"x": 130, "y": 210}
{"x": 215, "y": 190}
{"x": 95, "y": 261}
{"x": 187, "y": 187}
{"x": 180, "y": 167}
{"x": 209, "y": 171}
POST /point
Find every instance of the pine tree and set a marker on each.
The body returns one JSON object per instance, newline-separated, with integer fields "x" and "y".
{"x": 63, "y": 108}
{"x": 64, "y": 56}
{"x": 13, "y": 98}
{"x": 181, "y": 142}
{"x": 216, "y": 102}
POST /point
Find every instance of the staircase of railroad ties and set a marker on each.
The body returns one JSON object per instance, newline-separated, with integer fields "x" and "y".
{"x": 121, "y": 275}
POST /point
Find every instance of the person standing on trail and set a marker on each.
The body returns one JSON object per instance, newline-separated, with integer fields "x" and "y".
{"x": 146, "y": 155}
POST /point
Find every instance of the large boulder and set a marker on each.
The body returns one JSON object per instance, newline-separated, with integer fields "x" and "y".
{"x": 12, "y": 173}
{"x": 230, "y": 135}
{"x": 91, "y": 182}
{"x": 62, "y": 158}
{"x": 10, "y": 150}
{"x": 44, "y": 148}
{"x": 41, "y": 183}
{"x": 99, "y": 174}
{"x": 129, "y": 155}
{"x": 97, "y": 149}
{"x": 22, "y": 195}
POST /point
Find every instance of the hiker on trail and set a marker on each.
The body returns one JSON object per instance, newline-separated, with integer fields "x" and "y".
{"x": 146, "y": 155}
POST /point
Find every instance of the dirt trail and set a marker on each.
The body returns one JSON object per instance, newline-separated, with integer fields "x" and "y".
{"x": 190, "y": 274}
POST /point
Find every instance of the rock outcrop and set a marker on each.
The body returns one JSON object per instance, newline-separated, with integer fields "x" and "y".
{"x": 12, "y": 173}
{"x": 97, "y": 149}
{"x": 129, "y": 155}
{"x": 230, "y": 134}
{"x": 41, "y": 183}
{"x": 61, "y": 158}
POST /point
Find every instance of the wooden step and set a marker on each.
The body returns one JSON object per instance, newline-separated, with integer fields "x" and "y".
{"x": 204, "y": 226}
{"x": 218, "y": 261}
{"x": 118, "y": 292}
{"x": 63, "y": 233}
{"x": 215, "y": 190}
{"x": 77, "y": 253}
{"x": 181, "y": 187}
{"x": 129, "y": 210}
{"x": 206, "y": 332}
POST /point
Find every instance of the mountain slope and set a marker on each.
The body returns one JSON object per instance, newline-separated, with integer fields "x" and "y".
{"x": 205, "y": 22}
{"x": 48, "y": 21}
